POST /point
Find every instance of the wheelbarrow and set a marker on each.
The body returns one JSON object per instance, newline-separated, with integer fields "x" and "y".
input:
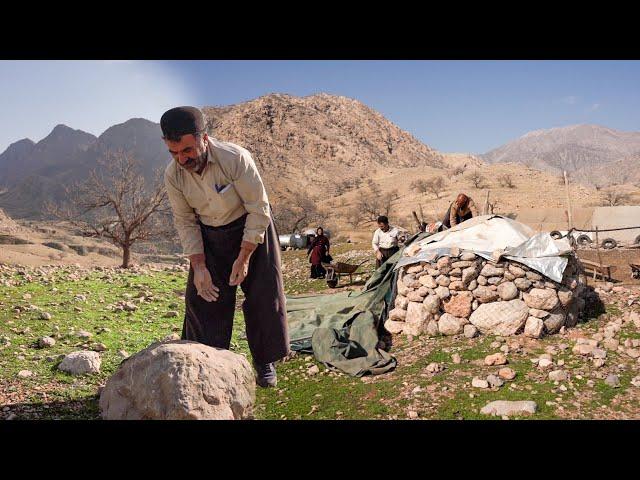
{"x": 335, "y": 270}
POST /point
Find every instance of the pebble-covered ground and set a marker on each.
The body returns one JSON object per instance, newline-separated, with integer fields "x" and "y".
{"x": 590, "y": 371}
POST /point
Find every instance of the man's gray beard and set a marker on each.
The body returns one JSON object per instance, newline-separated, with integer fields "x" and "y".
{"x": 198, "y": 163}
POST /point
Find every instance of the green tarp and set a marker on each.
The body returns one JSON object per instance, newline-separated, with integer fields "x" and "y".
{"x": 343, "y": 330}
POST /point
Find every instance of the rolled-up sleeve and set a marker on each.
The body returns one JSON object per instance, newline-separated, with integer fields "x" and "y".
{"x": 248, "y": 184}
{"x": 375, "y": 242}
{"x": 184, "y": 217}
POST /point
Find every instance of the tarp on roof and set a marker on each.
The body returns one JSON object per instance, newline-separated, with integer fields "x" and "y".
{"x": 495, "y": 237}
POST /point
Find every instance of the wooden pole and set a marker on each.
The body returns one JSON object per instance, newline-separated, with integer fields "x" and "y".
{"x": 486, "y": 204}
{"x": 598, "y": 250}
{"x": 566, "y": 185}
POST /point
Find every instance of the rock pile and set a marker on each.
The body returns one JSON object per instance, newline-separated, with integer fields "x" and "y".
{"x": 466, "y": 294}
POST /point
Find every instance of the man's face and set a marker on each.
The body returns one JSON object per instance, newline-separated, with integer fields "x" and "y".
{"x": 190, "y": 152}
{"x": 383, "y": 226}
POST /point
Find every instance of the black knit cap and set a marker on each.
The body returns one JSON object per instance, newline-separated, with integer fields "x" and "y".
{"x": 182, "y": 121}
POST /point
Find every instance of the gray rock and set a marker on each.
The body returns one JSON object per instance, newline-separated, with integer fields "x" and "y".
{"x": 45, "y": 316}
{"x": 509, "y": 408}
{"x": 485, "y": 294}
{"x": 455, "y": 272}
{"x": 414, "y": 296}
{"x": 522, "y": 284}
{"x": 482, "y": 280}
{"x": 558, "y": 376}
{"x": 394, "y": 326}
{"x": 534, "y": 327}
{"x": 508, "y": 276}
{"x": 443, "y": 281}
{"x": 500, "y": 318}
{"x": 46, "y": 342}
{"x": 494, "y": 280}
{"x": 443, "y": 292}
{"x": 613, "y": 381}
{"x": 179, "y": 381}
{"x": 428, "y": 281}
{"x": 479, "y": 383}
{"x": 534, "y": 312}
{"x": 450, "y": 325}
{"x": 555, "y": 321}
{"x": 516, "y": 271}
{"x": 533, "y": 276}
{"x": 432, "y": 304}
{"x": 432, "y": 328}
{"x": 456, "y": 285}
{"x": 541, "y": 299}
{"x": 508, "y": 291}
{"x": 81, "y": 362}
{"x": 565, "y": 296}
{"x": 468, "y": 256}
{"x": 469, "y": 274}
{"x": 171, "y": 314}
{"x": 401, "y": 302}
{"x": 460, "y": 305}
{"x": 470, "y": 331}
{"x": 472, "y": 285}
{"x": 495, "y": 381}
{"x": 491, "y": 271}
{"x": 397, "y": 315}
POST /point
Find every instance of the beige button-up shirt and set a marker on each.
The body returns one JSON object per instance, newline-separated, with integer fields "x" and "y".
{"x": 386, "y": 239}
{"x": 241, "y": 191}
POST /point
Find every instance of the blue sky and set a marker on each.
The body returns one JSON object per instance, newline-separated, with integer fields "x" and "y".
{"x": 453, "y": 106}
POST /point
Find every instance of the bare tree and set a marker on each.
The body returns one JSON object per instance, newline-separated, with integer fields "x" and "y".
{"x": 370, "y": 205}
{"x": 419, "y": 186}
{"x": 454, "y": 172}
{"x": 115, "y": 203}
{"x": 505, "y": 180}
{"x": 295, "y": 212}
{"x": 477, "y": 179}
{"x": 435, "y": 186}
{"x": 613, "y": 198}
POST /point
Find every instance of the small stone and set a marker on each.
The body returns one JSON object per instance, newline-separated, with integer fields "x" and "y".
{"x": 509, "y": 408}
{"x": 507, "y": 373}
{"x": 507, "y": 291}
{"x": 171, "y": 314}
{"x": 633, "y": 352}
{"x": 495, "y": 381}
{"x": 45, "y": 316}
{"x": 495, "y": 359}
{"x": 534, "y": 327}
{"x": 558, "y": 376}
{"x": 470, "y": 331}
{"x": 455, "y": 358}
{"x": 45, "y": 342}
{"x": 25, "y": 373}
{"x": 313, "y": 370}
{"x": 479, "y": 383}
{"x": 123, "y": 354}
{"x": 412, "y": 414}
{"x": 613, "y": 381}
{"x": 84, "y": 334}
{"x": 544, "y": 363}
{"x": 599, "y": 362}
{"x": 434, "y": 367}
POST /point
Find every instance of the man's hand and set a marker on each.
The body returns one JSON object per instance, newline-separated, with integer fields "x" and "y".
{"x": 240, "y": 268}
{"x": 378, "y": 254}
{"x": 202, "y": 279}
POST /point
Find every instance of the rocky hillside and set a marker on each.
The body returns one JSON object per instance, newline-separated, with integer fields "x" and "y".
{"x": 580, "y": 149}
{"x": 308, "y": 143}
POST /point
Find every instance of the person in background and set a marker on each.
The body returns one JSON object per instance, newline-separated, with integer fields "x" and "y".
{"x": 319, "y": 251}
{"x": 385, "y": 241}
{"x": 463, "y": 208}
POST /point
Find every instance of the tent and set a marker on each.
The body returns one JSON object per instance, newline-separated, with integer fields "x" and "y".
{"x": 346, "y": 330}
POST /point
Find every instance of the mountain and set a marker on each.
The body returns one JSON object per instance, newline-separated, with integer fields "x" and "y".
{"x": 581, "y": 150}
{"x": 307, "y": 144}
{"x": 300, "y": 144}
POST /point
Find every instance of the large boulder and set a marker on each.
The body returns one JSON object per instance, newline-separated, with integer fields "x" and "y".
{"x": 180, "y": 380}
{"x": 500, "y": 318}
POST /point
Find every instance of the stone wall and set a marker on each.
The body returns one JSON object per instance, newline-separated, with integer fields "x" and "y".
{"x": 466, "y": 294}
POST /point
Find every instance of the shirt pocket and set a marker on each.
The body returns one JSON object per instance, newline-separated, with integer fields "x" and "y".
{"x": 228, "y": 199}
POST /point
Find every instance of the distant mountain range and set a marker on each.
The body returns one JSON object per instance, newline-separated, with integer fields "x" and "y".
{"x": 299, "y": 144}
{"x": 586, "y": 152}
{"x": 304, "y": 145}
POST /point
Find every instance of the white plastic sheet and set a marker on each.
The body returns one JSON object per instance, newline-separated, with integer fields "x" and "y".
{"x": 495, "y": 237}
